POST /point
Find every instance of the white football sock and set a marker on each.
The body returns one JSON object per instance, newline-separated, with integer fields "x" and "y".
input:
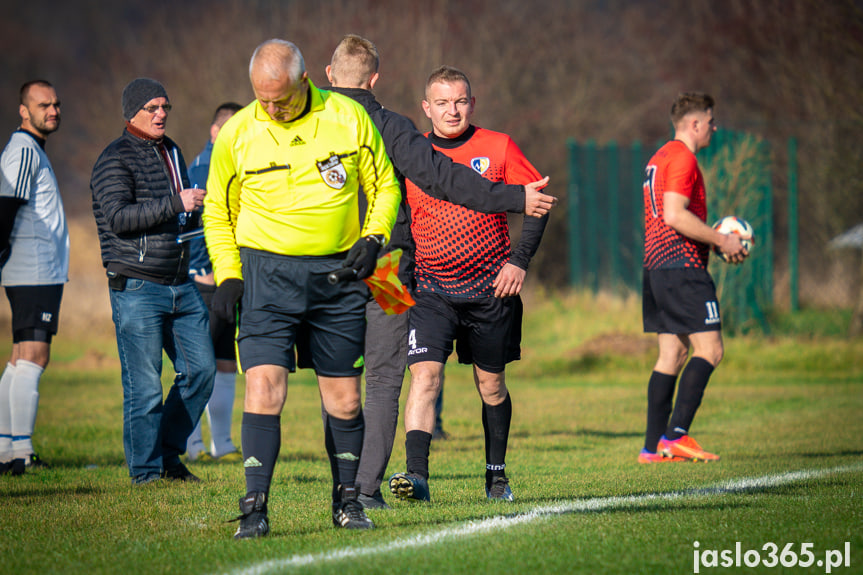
{"x": 24, "y": 398}
{"x": 219, "y": 411}
{"x": 6, "y": 414}
{"x": 195, "y": 444}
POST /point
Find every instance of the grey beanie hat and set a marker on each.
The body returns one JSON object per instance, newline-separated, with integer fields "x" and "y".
{"x": 138, "y": 93}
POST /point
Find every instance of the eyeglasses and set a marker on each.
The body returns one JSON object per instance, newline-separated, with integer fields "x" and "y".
{"x": 155, "y": 108}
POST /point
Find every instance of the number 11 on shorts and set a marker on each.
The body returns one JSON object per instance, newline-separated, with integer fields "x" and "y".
{"x": 712, "y": 312}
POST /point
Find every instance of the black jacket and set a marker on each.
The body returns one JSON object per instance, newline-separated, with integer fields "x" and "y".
{"x": 138, "y": 214}
{"x": 433, "y": 172}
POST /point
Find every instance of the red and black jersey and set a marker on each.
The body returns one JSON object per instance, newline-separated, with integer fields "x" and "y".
{"x": 459, "y": 251}
{"x": 673, "y": 168}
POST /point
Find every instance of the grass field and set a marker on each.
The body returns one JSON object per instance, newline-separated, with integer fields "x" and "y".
{"x": 785, "y": 413}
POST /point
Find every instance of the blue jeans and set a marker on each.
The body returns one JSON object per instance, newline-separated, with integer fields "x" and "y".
{"x": 149, "y": 317}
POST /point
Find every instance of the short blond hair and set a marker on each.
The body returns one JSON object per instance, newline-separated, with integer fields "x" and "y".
{"x": 354, "y": 62}
{"x": 447, "y": 75}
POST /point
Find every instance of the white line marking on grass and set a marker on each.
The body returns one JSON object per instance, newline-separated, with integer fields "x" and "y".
{"x": 593, "y": 505}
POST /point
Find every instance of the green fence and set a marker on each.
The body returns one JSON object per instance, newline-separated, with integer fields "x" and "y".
{"x": 606, "y": 219}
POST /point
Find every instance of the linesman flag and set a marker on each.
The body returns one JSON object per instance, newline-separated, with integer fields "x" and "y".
{"x": 393, "y": 297}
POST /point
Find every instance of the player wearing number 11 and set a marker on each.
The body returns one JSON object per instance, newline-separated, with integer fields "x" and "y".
{"x": 679, "y": 302}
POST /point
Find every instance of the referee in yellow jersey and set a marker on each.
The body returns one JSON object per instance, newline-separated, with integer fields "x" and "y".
{"x": 281, "y": 215}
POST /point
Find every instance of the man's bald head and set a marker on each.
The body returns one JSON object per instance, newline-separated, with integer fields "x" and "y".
{"x": 277, "y": 59}
{"x": 278, "y": 75}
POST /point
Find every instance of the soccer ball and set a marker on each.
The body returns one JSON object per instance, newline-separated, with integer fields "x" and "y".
{"x": 735, "y": 225}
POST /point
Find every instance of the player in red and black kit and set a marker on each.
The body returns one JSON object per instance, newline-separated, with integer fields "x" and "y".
{"x": 467, "y": 284}
{"x": 680, "y": 302}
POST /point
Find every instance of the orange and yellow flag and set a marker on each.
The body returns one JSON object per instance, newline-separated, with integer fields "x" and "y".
{"x": 393, "y": 297}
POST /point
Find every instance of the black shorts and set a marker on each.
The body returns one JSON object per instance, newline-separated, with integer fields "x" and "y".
{"x": 288, "y": 298}
{"x": 35, "y": 311}
{"x": 221, "y": 332}
{"x": 680, "y": 301}
{"x": 487, "y": 330}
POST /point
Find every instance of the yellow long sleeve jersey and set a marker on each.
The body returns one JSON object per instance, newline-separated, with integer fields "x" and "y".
{"x": 292, "y": 188}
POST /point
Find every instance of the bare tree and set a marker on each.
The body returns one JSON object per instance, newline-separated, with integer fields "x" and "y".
{"x": 544, "y": 72}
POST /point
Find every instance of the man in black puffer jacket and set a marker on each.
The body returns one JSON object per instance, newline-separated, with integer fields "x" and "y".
{"x": 142, "y": 202}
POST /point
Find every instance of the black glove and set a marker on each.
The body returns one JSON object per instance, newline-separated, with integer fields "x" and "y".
{"x": 225, "y": 299}
{"x": 363, "y": 257}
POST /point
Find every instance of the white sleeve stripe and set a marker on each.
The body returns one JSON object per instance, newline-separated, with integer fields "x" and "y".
{"x": 22, "y": 186}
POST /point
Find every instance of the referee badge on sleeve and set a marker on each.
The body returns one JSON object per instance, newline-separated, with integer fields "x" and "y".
{"x": 333, "y": 172}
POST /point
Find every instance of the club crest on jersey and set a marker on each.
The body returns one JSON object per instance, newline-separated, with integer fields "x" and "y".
{"x": 480, "y": 164}
{"x": 333, "y": 172}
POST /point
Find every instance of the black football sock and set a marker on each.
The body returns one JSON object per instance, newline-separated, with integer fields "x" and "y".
{"x": 417, "y": 452}
{"x": 261, "y": 440}
{"x": 693, "y": 381}
{"x": 331, "y": 454}
{"x": 496, "y": 420}
{"x": 347, "y": 435}
{"x": 660, "y": 398}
